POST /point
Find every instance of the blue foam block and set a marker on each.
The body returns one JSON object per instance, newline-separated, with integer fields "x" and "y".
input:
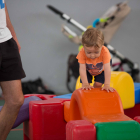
{"x": 65, "y": 96}
{"x": 137, "y": 92}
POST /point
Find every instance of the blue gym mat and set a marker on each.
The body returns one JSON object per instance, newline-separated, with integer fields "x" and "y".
{"x": 65, "y": 96}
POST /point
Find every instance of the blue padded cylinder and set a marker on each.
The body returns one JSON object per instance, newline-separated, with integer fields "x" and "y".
{"x": 137, "y": 93}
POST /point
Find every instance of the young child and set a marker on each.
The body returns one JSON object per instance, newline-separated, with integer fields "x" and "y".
{"x": 94, "y": 60}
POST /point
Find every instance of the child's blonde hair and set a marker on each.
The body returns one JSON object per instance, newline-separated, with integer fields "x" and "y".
{"x": 93, "y": 37}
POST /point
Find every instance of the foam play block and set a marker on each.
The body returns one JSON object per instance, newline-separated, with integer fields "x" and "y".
{"x": 125, "y": 130}
{"x": 124, "y": 85}
{"x": 67, "y": 111}
{"x": 137, "y": 118}
{"x": 41, "y": 96}
{"x": 25, "y": 137}
{"x": 137, "y": 93}
{"x": 95, "y": 106}
{"x": 80, "y": 130}
{"x": 133, "y": 112}
{"x": 46, "y": 120}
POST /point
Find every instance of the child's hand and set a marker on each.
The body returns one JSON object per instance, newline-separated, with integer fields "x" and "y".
{"x": 108, "y": 88}
{"x": 87, "y": 86}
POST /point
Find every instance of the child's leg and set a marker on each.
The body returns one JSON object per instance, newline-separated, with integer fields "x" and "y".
{"x": 97, "y": 85}
{"x": 99, "y": 80}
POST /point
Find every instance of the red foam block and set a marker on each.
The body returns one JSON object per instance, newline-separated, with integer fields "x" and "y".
{"x": 46, "y": 120}
{"x": 137, "y": 118}
{"x": 80, "y": 130}
{"x": 41, "y": 96}
{"x": 133, "y": 112}
{"x": 26, "y": 138}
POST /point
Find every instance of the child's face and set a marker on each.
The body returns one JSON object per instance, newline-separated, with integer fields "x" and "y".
{"x": 92, "y": 52}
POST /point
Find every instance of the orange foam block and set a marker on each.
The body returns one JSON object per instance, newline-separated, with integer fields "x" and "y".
{"x": 95, "y": 106}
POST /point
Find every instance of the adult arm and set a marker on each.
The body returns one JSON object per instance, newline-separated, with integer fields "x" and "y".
{"x": 11, "y": 28}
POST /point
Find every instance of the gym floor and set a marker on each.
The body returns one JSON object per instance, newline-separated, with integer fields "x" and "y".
{"x": 17, "y": 133}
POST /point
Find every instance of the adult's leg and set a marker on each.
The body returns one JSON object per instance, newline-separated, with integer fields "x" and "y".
{"x": 14, "y": 99}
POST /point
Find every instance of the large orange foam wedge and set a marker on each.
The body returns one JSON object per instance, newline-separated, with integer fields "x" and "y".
{"x": 124, "y": 85}
{"x": 96, "y": 106}
{"x": 67, "y": 111}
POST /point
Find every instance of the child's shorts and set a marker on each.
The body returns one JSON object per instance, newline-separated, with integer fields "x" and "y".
{"x": 99, "y": 78}
{"x": 10, "y": 61}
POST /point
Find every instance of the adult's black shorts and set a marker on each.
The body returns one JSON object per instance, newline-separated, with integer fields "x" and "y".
{"x": 10, "y": 62}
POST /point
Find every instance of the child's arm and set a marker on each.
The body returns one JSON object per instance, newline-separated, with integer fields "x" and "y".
{"x": 107, "y": 71}
{"x": 83, "y": 75}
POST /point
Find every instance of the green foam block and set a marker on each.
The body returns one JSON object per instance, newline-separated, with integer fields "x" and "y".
{"x": 124, "y": 130}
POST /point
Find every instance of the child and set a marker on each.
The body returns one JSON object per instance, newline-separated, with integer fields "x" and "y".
{"x": 94, "y": 60}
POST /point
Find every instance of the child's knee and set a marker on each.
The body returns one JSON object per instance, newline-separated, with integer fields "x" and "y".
{"x": 97, "y": 85}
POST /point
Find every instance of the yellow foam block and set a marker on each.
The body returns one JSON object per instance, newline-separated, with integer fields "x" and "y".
{"x": 124, "y": 85}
